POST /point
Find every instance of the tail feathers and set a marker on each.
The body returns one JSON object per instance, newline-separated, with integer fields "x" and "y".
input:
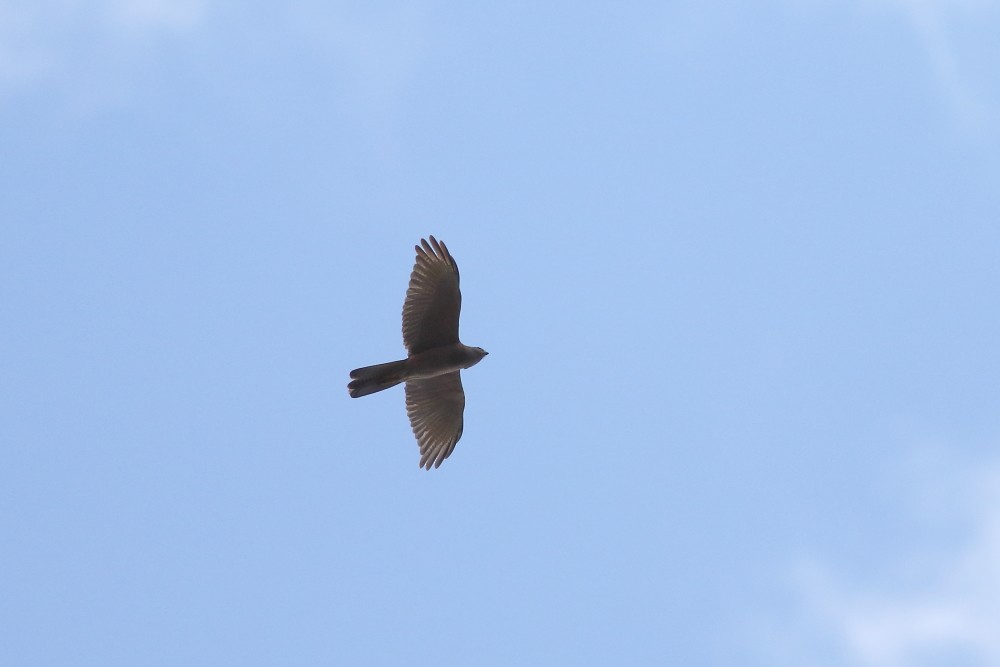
{"x": 371, "y": 379}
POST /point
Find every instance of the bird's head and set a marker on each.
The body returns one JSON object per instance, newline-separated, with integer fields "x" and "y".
{"x": 476, "y": 355}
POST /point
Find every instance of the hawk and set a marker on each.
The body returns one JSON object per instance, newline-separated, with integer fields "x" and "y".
{"x": 435, "y": 400}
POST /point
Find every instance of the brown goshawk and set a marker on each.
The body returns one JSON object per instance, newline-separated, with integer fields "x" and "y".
{"x": 435, "y": 400}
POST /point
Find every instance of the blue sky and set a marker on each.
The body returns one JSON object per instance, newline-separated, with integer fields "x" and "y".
{"x": 736, "y": 268}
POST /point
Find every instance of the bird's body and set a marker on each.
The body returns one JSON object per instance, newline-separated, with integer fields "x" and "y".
{"x": 431, "y": 363}
{"x": 435, "y": 400}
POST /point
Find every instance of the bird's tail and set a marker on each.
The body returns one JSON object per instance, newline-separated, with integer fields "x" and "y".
{"x": 371, "y": 379}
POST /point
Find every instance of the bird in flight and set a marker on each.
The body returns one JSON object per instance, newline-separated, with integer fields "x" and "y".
{"x": 435, "y": 400}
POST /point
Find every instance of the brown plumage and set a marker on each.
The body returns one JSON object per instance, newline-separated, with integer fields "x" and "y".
{"x": 435, "y": 400}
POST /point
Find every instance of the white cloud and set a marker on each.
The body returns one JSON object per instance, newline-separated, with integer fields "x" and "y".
{"x": 376, "y": 49}
{"x": 958, "y": 41}
{"x": 21, "y": 55}
{"x": 378, "y": 46}
{"x": 934, "y": 23}
{"x": 78, "y": 46}
{"x": 166, "y": 15}
{"x": 92, "y": 53}
{"x": 942, "y": 605}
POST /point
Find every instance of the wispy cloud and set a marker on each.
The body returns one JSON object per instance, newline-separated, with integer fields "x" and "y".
{"x": 163, "y": 15}
{"x": 935, "y": 24}
{"x": 91, "y": 53}
{"x": 943, "y": 604}
{"x": 378, "y": 47}
{"x": 956, "y": 39}
{"x": 77, "y": 45}
{"x": 376, "y": 50}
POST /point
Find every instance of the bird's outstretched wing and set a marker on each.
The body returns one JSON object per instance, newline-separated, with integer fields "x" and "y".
{"x": 435, "y": 407}
{"x": 433, "y": 300}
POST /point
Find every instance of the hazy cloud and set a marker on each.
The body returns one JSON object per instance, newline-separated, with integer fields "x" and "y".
{"x": 377, "y": 46}
{"x": 376, "y": 50}
{"x": 948, "y": 31}
{"x": 92, "y": 53}
{"x": 943, "y": 603}
{"x": 84, "y": 48}
{"x": 165, "y": 15}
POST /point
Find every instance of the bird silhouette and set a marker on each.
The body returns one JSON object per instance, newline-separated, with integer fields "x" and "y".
{"x": 435, "y": 400}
